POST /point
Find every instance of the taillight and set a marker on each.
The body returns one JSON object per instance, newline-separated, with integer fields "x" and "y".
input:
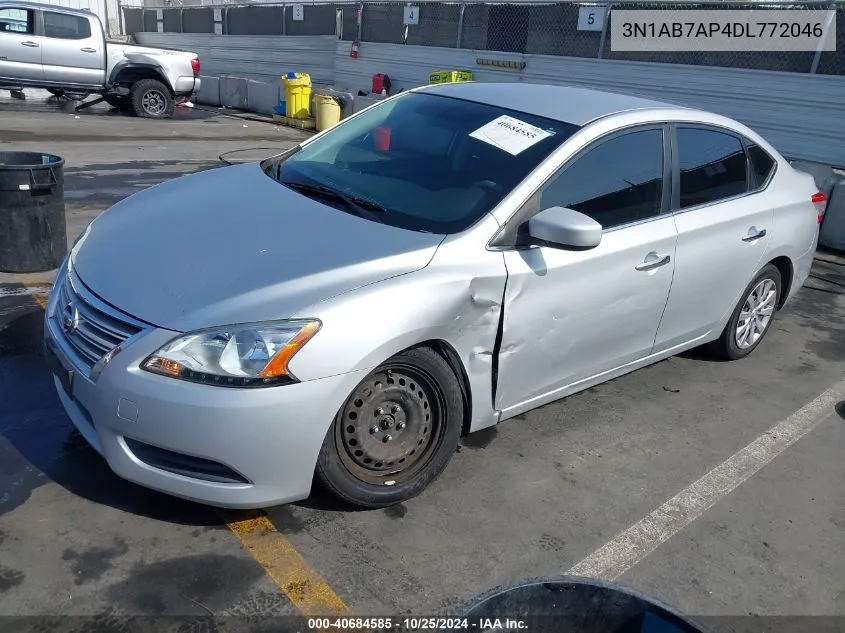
{"x": 820, "y": 202}
{"x": 195, "y": 65}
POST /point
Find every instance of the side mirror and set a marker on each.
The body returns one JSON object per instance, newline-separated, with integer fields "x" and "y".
{"x": 559, "y": 227}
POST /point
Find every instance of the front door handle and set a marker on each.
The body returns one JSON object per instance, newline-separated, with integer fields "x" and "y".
{"x": 30, "y": 44}
{"x": 754, "y": 234}
{"x": 652, "y": 261}
{"x": 88, "y": 49}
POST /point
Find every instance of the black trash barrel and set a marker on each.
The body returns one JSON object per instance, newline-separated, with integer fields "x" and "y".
{"x": 566, "y": 604}
{"x": 33, "y": 234}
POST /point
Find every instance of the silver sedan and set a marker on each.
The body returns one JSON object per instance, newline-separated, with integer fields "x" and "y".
{"x": 434, "y": 265}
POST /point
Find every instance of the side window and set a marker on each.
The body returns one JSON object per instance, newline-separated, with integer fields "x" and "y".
{"x": 67, "y": 27}
{"x": 762, "y": 165}
{"x": 617, "y": 182}
{"x": 20, "y": 21}
{"x": 713, "y": 166}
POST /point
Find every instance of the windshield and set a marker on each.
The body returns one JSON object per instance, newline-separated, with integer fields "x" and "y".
{"x": 426, "y": 162}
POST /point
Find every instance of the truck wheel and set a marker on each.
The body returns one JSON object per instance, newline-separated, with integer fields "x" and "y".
{"x": 70, "y": 96}
{"x": 151, "y": 99}
{"x": 119, "y": 103}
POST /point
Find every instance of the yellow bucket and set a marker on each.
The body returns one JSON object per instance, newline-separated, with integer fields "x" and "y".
{"x": 297, "y": 95}
{"x": 326, "y": 111}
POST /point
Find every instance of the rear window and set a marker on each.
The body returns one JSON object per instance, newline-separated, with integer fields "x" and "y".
{"x": 435, "y": 163}
{"x": 68, "y": 27}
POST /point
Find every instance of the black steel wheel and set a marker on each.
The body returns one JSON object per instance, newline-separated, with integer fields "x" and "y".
{"x": 396, "y": 432}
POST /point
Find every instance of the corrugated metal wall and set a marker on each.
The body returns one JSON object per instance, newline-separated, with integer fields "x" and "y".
{"x": 803, "y": 115}
{"x": 254, "y": 57}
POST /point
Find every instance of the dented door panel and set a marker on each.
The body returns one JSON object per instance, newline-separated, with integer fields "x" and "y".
{"x": 570, "y": 315}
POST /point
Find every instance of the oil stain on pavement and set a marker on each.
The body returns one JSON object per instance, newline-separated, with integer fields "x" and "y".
{"x": 10, "y": 578}
{"x": 202, "y": 584}
{"x": 92, "y": 563}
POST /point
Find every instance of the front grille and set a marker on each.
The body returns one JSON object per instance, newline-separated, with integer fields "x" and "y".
{"x": 86, "y": 324}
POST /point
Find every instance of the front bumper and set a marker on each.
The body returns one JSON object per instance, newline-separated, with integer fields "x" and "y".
{"x": 270, "y": 436}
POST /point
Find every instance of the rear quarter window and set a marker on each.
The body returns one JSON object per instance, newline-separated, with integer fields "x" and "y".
{"x": 762, "y": 165}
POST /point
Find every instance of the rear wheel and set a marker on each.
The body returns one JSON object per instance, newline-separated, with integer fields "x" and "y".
{"x": 151, "y": 99}
{"x": 396, "y": 432}
{"x": 119, "y": 103}
{"x": 752, "y": 317}
{"x": 64, "y": 94}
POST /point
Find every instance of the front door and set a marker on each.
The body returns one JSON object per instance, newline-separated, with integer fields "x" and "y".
{"x": 20, "y": 48}
{"x": 572, "y": 315}
{"x": 723, "y": 220}
{"x": 74, "y": 50}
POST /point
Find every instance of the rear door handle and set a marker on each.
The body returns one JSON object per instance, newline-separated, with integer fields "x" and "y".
{"x": 88, "y": 49}
{"x": 654, "y": 262}
{"x": 30, "y": 44}
{"x": 754, "y": 234}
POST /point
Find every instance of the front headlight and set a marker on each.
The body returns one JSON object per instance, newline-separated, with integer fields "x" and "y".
{"x": 248, "y": 355}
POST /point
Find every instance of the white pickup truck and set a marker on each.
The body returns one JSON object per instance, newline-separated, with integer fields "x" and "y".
{"x": 65, "y": 51}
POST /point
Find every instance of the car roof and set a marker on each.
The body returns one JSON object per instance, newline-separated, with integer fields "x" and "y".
{"x": 44, "y": 7}
{"x": 569, "y": 104}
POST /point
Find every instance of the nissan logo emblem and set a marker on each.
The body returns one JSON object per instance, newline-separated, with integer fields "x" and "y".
{"x": 70, "y": 318}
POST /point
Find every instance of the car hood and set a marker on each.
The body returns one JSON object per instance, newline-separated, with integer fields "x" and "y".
{"x": 231, "y": 245}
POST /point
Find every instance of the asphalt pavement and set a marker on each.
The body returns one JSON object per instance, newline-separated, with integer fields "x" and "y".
{"x": 619, "y": 477}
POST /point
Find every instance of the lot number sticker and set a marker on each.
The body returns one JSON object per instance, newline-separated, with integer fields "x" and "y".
{"x": 591, "y": 18}
{"x": 509, "y": 134}
{"x": 411, "y": 15}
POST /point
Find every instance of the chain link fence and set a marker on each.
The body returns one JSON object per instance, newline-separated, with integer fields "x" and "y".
{"x": 550, "y": 28}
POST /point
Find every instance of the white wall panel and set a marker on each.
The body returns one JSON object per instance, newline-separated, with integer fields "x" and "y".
{"x": 801, "y": 114}
{"x": 263, "y": 57}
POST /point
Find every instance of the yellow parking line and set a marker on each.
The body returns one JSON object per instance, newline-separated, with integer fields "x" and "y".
{"x": 40, "y": 297}
{"x": 41, "y": 300}
{"x": 303, "y": 586}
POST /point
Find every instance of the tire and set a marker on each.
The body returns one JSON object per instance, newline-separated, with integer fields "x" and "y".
{"x": 119, "y": 103}
{"x": 731, "y": 345}
{"x": 385, "y": 422}
{"x": 70, "y": 96}
{"x": 151, "y": 99}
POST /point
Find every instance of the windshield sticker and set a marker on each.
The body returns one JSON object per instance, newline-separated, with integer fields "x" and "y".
{"x": 509, "y": 134}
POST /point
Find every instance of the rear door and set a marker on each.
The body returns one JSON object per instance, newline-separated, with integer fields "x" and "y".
{"x": 723, "y": 219}
{"x": 74, "y": 50}
{"x": 20, "y": 48}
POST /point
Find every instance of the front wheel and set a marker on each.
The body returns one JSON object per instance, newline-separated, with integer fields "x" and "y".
{"x": 396, "y": 432}
{"x": 151, "y": 99}
{"x": 752, "y": 317}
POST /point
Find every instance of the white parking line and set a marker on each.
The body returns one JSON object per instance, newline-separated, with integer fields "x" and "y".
{"x": 634, "y": 544}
